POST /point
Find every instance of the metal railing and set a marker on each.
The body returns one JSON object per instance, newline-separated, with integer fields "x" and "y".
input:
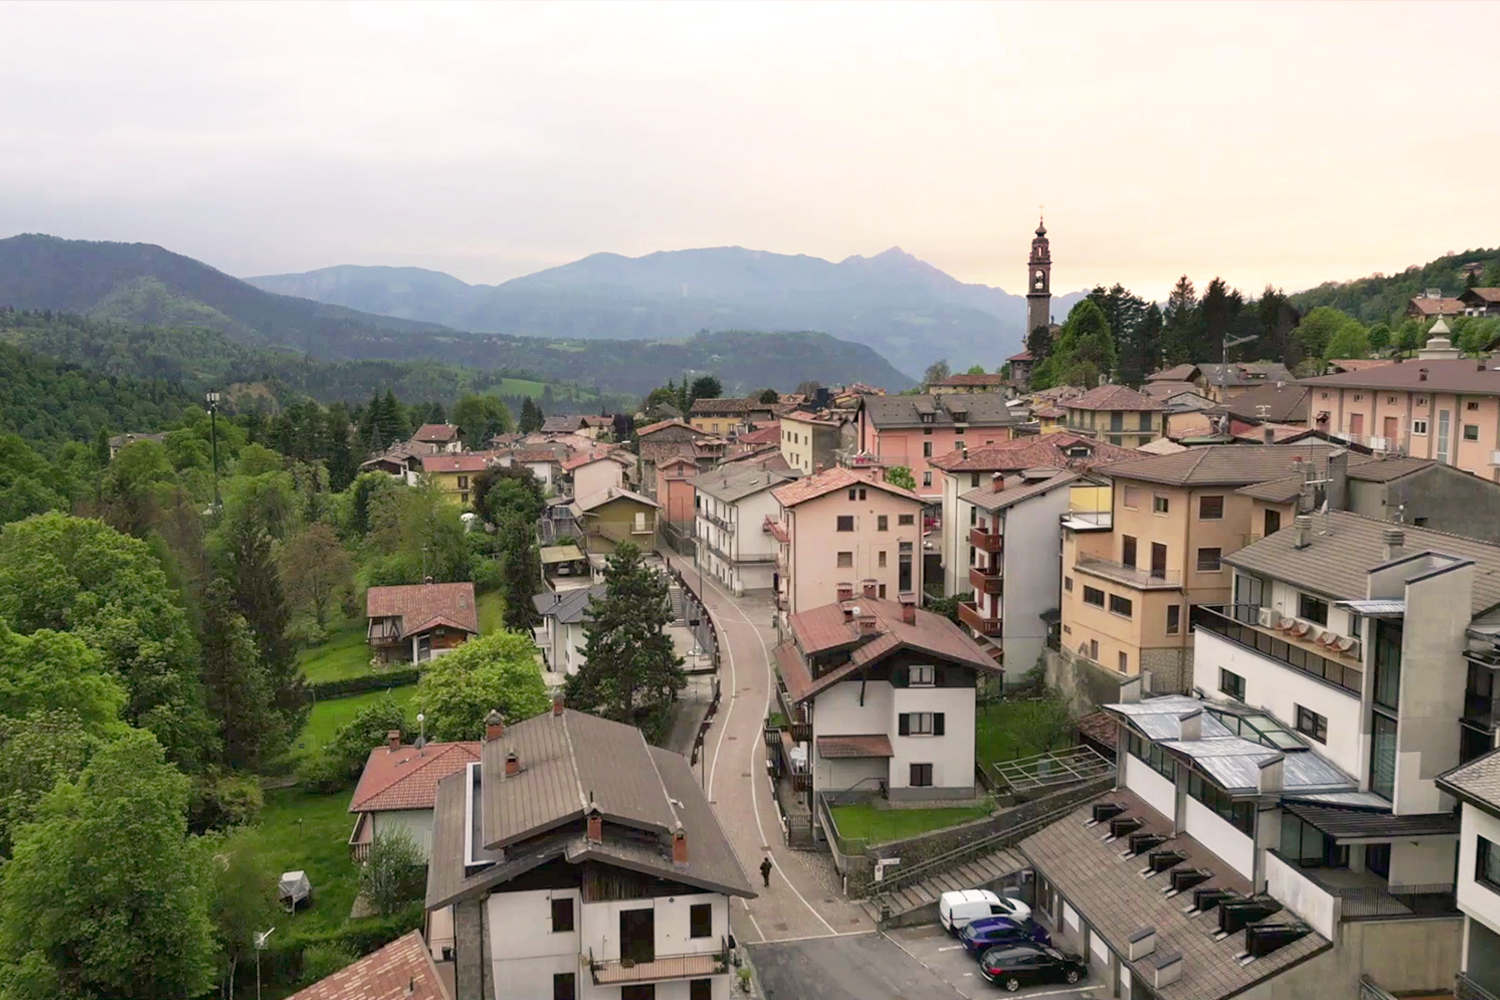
{"x": 1464, "y": 988}
{"x": 1133, "y": 576}
{"x": 623, "y": 971}
{"x": 1367, "y": 902}
{"x": 1240, "y": 624}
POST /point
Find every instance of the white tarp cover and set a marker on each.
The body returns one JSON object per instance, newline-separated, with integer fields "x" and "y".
{"x": 294, "y": 886}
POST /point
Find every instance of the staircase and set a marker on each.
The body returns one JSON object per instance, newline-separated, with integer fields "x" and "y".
{"x": 674, "y": 593}
{"x": 977, "y": 872}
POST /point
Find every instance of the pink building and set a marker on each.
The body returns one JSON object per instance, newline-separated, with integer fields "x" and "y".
{"x": 843, "y": 532}
{"x": 674, "y": 489}
{"x": 910, "y": 430}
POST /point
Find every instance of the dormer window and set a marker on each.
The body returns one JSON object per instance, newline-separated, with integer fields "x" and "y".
{"x": 926, "y": 418}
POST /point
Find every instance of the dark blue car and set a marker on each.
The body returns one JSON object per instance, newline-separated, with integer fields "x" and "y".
{"x": 990, "y": 932}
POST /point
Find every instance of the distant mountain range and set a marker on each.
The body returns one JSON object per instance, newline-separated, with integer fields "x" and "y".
{"x": 907, "y": 310}
{"x": 146, "y": 285}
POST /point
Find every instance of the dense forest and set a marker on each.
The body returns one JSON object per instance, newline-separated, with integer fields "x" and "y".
{"x": 1382, "y": 298}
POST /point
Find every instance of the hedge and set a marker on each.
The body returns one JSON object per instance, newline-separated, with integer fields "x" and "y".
{"x": 281, "y": 962}
{"x": 367, "y": 682}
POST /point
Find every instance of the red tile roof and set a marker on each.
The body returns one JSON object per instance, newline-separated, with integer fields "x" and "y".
{"x": 442, "y": 433}
{"x": 1360, "y": 364}
{"x": 1437, "y": 307}
{"x": 830, "y": 480}
{"x": 468, "y": 462}
{"x": 421, "y": 602}
{"x": 873, "y": 745}
{"x": 1029, "y": 453}
{"x": 662, "y": 425}
{"x": 1114, "y": 397}
{"x": 534, "y": 455}
{"x": 763, "y": 435}
{"x": 969, "y": 380}
{"x": 1023, "y": 356}
{"x": 406, "y": 778}
{"x": 386, "y": 974}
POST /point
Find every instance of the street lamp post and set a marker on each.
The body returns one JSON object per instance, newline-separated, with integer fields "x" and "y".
{"x": 213, "y": 436}
{"x": 260, "y": 943}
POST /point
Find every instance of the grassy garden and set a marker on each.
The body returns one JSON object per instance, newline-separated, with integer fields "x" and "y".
{"x": 875, "y": 826}
{"x": 327, "y": 716}
{"x": 1007, "y": 730}
{"x": 345, "y": 654}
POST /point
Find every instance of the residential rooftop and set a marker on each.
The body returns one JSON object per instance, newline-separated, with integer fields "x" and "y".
{"x": 831, "y": 480}
{"x": 966, "y": 380}
{"x": 1279, "y": 403}
{"x": 599, "y": 498}
{"x": 406, "y": 777}
{"x": 1469, "y": 376}
{"x": 1220, "y": 465}
{"x": 417, "y": 604}
{"x": 440, "y": 433}
{"x": 569, "y": 606}
{"x": 735, "y": 482}
{"x": 979, "y": 409}
{"x": 1035, "y": 483}
{"x": 1478, "y": 781}
{"x": 1114, "y": 397}
{"x": 402, "y": 970}
{"x": 1061, "y": 450}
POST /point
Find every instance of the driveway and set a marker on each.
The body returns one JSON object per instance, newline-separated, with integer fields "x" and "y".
{"x": 931, "y": 948}
{"x": 849, "y": 967}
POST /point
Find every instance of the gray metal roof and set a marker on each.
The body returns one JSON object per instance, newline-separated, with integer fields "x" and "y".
{"x": 1376, "y": 608}
{"x": 1349, "y": 800}
{"x": 735, "y": 482}
{"x": 569, "y": 606}
{"x": 1478, "y": 780}
{"x": 1346, "y": 825}
{"x": 1338, "y": 564}
{"x": 989, "y": 500}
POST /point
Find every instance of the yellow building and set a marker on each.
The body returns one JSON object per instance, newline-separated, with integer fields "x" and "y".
{"x": 616, "y": 515}
{"x": 1117, "y": 414}
{"x": 454, "y": 474}
{"x": 728, "y": 416}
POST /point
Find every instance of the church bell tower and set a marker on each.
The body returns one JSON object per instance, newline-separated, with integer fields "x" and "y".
{"x": 1039, "y": 282}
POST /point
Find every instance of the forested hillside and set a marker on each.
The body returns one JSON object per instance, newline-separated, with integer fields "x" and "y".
{"x": 1382, "y": 298}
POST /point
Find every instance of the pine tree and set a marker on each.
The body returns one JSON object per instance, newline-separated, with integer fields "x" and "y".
{"x": 343, "y": 464}
{"x": 259, "y": 597}
{"x": 236, "y": 691}
{"x": 1180, "y": 337}
{"x": 523, "y": 573}
{"x": 393, "y": 423}
{"x": 549, "y": 402}
{"x": 531, "y": 417}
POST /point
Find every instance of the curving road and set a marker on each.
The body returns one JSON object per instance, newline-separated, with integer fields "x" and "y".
{"x": 797, "y": 905}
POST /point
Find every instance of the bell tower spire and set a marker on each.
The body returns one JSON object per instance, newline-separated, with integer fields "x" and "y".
{"x": 1039, "y": 281}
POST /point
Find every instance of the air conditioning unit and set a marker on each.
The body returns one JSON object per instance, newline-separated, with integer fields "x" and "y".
{"x": 1267, "y": 617}
{"x": 1495, "y": 458}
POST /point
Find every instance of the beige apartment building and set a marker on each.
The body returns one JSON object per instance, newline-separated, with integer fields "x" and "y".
{"x": 810, "y": 442}
{"x": 843, "y": 532}
{"x": 1128, "y": 592}
{"x": 1116, "y": 414}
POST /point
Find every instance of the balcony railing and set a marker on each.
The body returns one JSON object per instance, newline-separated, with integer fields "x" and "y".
{"x": 623, "y": 971}
{"x": 1240, "y": 624}
{"x": 1465, "y": 988}
{"x": 1155, "y": 579}
{"x": 986, "y": 541}
{"x": 985, "y": 581}
{"x": 716, "y": 521}
{"x": 970, "y": 616}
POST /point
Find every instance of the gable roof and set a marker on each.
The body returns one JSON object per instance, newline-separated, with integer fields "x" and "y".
{"x": 471, "y": 461}
{"x": 761, "y": 435}
{"x": 661, "y": 425}
{"x": 385, "y": 974}
{"x": 723, "y": 405}
{"x": 735, "y": 482}
{"x": 1359, "y": 364}
{"x": 1219, "y": 464}
{"x": 534, "y": 455}
{"x": 992, "y": 500}
{"x": 829, "y": 480}
{"x": 1436, "y": 307}
{"x": 1464, "y": 375}
{"x": 965, "y": 379}
{"x": 981, "y": 409}
{"x": 1177, "y": 373}
{"x": 1480, "y": 296}
{"x": 1023, "y": 356}
{"x": 1476, "y": 781}
{"x": 441, "y": 433}
{"x": 590, "y": 457}
{"x": 1031, "y": 452}
{"x": 569, "y": 606}
{"x": 407, "y": 778}
{"x": 1286, "y": 403}
{"x": 1113, "y": 397}
{"x": 610, "y": 494}
{"x": 1164, "y": 390}
{"x": 1244, "y": 373}
{"x": 565, "y": 423}
{"x": 417, "y": 603}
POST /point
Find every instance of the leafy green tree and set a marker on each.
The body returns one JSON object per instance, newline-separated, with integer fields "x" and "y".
{"x": 900, "y": 475}
{"x": 976, "y": 370}
{"x": 1379, "y": 336}
{"x": 948, "y": 606}
{"x": 523, "y": 573}
{"x": 28, "y": 483}
{"x": 105, "y": 896}
{"x": 257, "y": 460}
{"x": 395, "y": 873}
{"x": 242, "y": 899}
{"x": 707, "y": 387}
{"x": 35, "y": 753}
{"x": 342, "y": 759}
{"x": 236, "y": 688}
{"x": 1478, "y": 334}
{"x": 938, "y": 371}
{"x": 1276, "y": 318}
{"x": 315, "y": 567}
{"x": 632, "y": 673}
{"x": 1410, "y": 335}
{"x": 769, "y": 396}
{"x": 1349, "y": 340}
{"x": 1314, "y": 334}
{"x": 131, "y": 483}
{"x": 508, "y": 491}
{"x": 1085, "y": 349}
{"x": 1039, "y": 346}
{"x": 57, "y": 671}
{"x": 1126, "y": 314}
{"x": 420, "y": 534}
{"x": 656, "y": 397}
{"x": 480, "y": 418}
{"x": 493, "y": 672}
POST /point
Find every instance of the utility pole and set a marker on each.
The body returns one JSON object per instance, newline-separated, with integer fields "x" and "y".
{"x": 213, "y": 435}
{"x": 260, "y": 943}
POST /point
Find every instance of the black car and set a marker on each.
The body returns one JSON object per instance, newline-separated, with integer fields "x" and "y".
{"x": 1012, "y": 966}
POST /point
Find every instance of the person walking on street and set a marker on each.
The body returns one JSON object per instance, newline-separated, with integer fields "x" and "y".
{"x": 765, "y": 871}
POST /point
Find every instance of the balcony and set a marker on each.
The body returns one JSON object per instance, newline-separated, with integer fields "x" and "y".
{"x": 718, "y": 522}
{"x": 1240, "y": 624}
{"x": 970, "y": 616}
{"x": 1131, "y": 576}
{"x": 986, "y": 541}
{"x": 985, "y": 581}
{"x": 624, "y": 971}
{"x": 1366, "y": 895}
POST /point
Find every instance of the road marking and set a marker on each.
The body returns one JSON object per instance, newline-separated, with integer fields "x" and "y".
{"x": 950, "y": 947}
{"x": 1059, "y": 993}
{"x": 914, "y": 958}
{"x": 818, "y": 937}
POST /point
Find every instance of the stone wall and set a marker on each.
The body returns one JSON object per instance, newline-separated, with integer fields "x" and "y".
{"x": 469, "y": 950}
{"x": 1084, "y": 684}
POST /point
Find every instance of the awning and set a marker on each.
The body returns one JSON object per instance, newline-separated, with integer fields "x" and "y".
{"x": 560, "y": 554}
{"x": 836, "y": 747}
{"x": 1375, "y": 609}
{"x": 1354, "y": 826}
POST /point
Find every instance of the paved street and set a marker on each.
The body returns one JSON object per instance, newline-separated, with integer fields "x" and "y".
{"x": 798, "y": 904}
{"x": 860, "y": 967}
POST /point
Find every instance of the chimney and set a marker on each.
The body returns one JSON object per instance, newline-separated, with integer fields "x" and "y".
{"x": 512, "y": 764}
{"x": 679, "y": 845}
{"x": 1140, "y": 944}
{"x": 846, "y": 592}
{"x": 1190, "y": 725}
{"x": 1302, "y": 525}
{"x": 870, "y": 589}
{"x": 1421, "y": 374}
{"x": 1392, "y": 540}
{"x": 1130, "y": 689}
{"x": 1166, "y": 969}
{"x": 997, "y": 481}
{"x": 849, "y": 613}
{"x": 494, "y": 726}
{"x": 426, "y": 579}
{"x": 393, "y": 740}
{"x": 557, "y": 704}
{"x": 1338, "y": 480}
{"x": 1271, "y": 770}
{"x": 867, "y": 624}
{"x": 596, "y": 823}
{"x": 1268, "y": 434}
{"x": 908, "y": 608}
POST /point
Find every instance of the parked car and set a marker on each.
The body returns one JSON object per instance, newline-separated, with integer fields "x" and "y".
{"x": 991, "y": 932}
{"x": 1013, "y": 966}
{"x": 957, "y": 908}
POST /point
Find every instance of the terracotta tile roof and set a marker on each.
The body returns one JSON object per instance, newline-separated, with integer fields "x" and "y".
{"x": 596, "y": 500}
{"x": 590, "y": 457}
{"x": 1113, "y": 397}
{"x": 969, "y": 380}
{"x": 1101, "y": 727}
{"x": 1437, "y": 307}
{"x": 662, "y": 425}
{"x": 387, "y": 974}
{"x": 405, "y": 778}
{"x": 420, "y": 602}
{"x": 761, "y": 435}
{"x": 1058, "y": 393}
{"x": 472, "y": 461}
{"x": 1031, "y": 452}
{"x": 1164, "y": 390}
{"x": 1023, "y": 356}
{"x": 1485, "y": 295}
{"x": 1050, "y": 412}
{"x": 441, "y": 433}
{"x": 1283, "y": 404}
{"x": 872, "y": 745}
{"x": 807, "y": 417}
{"x": 989, "y": 499}
{"x": 534, "y": 455}
{"x": 829, "y": 480}
{"x": 980, "y": 409}
{"x": 1360, "y": 364}
{"x": 565, "y": 423}
{"x": 1464, "y": 375}
{"x": 1177, "y": 373}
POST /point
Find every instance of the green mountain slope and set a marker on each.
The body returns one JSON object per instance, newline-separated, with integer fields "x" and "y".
{"x": 1383, "y": 298}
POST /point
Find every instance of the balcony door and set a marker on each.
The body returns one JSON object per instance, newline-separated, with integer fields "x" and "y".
{"x": 1127, "y": 550}
{"x": 1356, "y": 426}
{"x": 1158, "y": 560}
{"x": 638, "y": 935}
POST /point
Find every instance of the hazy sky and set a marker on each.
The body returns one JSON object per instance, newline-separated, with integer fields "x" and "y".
{"x": 1265, "y": 142}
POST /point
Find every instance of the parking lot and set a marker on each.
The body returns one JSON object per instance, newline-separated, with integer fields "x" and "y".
{"x": 849, "y": 967}
{"x": 931, "y": 947}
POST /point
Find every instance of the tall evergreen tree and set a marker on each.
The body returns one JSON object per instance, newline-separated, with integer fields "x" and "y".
{"x": 343, "y": 462}
{"x": 523, "y": 572}
{"x": 393, "y": 423}
{"x": 1180, "y": 336}
{"x": 1219, "y": 308}
{"x": 258, "y": 596}
{"x": 531, "y": 417}
{"x": 236, "y": 690}
{"x": 1125, "y": 313}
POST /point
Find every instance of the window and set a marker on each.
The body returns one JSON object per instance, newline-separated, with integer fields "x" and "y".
{"x": 1093, "y": 595}
{"x": 1383, "y": 755}
{"x": 463, "y": 498}
{"x": 1419, "y": 427}
{"x": 1145, "y": 421}
{"x": 1471, "y": 432}
{"x": 881, "y": 559}
{"x": 463, "y": 482}
{"x": 922, "y": 676}
{"x": 700, "y": 989}
{"x": 1129, "y": 497}
{"x": 853, "y": 494}
{"x": 1388, "y": 638}
{"x": 1232, "y": 684}
{"x": 919, "y": 724}
{"x": 862, "y": 493}
{"x": 846, "y": 560}
{"x": 973, "y": 516}
{"x": 1208, "y": 560}
{"x": 1310, "y": 723}
{"x": 1358, "y": 396}
{"x": 1120, "y": 605}
{"x": 1124, "y": 663}
{"x": 1487, "y": 864}
{"x": 1152, "y": 755}
{"x": 1127, "y": 550}
{"x": 926, "y": 479}
{"x": 1211, "y": 508}
{"x": 1159, "y": 504}
{"x": 921, "y": 776}
{"x": 640, "y": 991}
{"x": 1312, "y": 609}
{"x": 1240, "y": 815}
{"x": 973, "y": 480}
{"x": 1471, "y": 406}
{"x": 1094, "y": 650}
{"x": 1068, "y": 584}
{"x": 846, "y": 522}
{"x": 1325, "y": 395}
{"x": 882, "y": 523}
{"x": 1174, "y": 619}
{"x": 926, "y": 449}
{"x": 565, "y": 986}
{"x": 905, "y": 520}
{"x": 562, "y": 915}
{"x": 881, "y": 595}
{"x": 958, "y": 431}
{"x": 1273, "y": 521}
{"x": 701, "y": 920}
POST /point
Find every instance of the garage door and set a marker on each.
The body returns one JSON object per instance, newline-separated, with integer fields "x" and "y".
{"x": 1070, "y": 917}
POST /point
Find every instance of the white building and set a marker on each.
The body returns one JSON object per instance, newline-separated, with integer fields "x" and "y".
{"x": 886, "y": 692}
{"x": 1476, "y": 785}
{"x": 593, "y": 472}
{"x": 560, "y": 635}
{"x": 575, "y": 860}
{"x": 735, "y": 546}
{"x": 398, "y": 787}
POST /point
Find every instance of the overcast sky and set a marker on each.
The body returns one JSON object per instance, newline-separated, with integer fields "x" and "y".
{"x": 1288, "y": 143}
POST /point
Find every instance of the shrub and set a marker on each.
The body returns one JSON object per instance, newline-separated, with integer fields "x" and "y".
{"x": 365, "y": 682}
{"x": 321, "y": 960}
{"x": 395, "y": 873}
{"x": 220, "y": 801}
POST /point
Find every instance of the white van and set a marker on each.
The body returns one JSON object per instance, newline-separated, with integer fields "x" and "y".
{"x": 956, "y": 909}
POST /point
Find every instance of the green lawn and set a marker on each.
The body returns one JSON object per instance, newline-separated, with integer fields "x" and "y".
{"x": 1007, "y": 730}
{"x": 875, "y": 826}
{"x": 491, "y": 608}
{"x": 301, "y": 830}
{"x": 346, "y": 654}
{"x": 327, "y": 715}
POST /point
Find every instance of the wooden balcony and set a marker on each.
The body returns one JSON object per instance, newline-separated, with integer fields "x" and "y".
{"x": 985, "y": 541}
{"x": 984, "y": 581}
{"x": 661, "y": 968}
{"x": 970, "y": 616}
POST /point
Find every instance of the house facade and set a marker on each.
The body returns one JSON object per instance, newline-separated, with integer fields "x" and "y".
{"x": 1116, "y": 414}
{"x": 441, "y": 438}
{"x": 454, "y": 474}
{"x": 417, "y": 622}
{"x": 728, "y": 415}
{"x": 576, "y": 860}
{"x": 560, "y": 636}
{"x": 1476, "y": 786}
{"x": 810, "y": 442}
{"x": 674, "y": 489}
{"x": 888, "y": 693}
{"x": 616, "y": 515}
{"x": 842, "y": 530}
{"x": 594, "y": 471}
{"x": 735, "y": 545}
{"x": 398, "y": 788}
{"x": 665, "y": 439}
{"x": 910, "y": 430}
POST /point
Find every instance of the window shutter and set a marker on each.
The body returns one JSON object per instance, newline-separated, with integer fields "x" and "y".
{"x": 903, "y": 724}
{"x": 937, "y": 723}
